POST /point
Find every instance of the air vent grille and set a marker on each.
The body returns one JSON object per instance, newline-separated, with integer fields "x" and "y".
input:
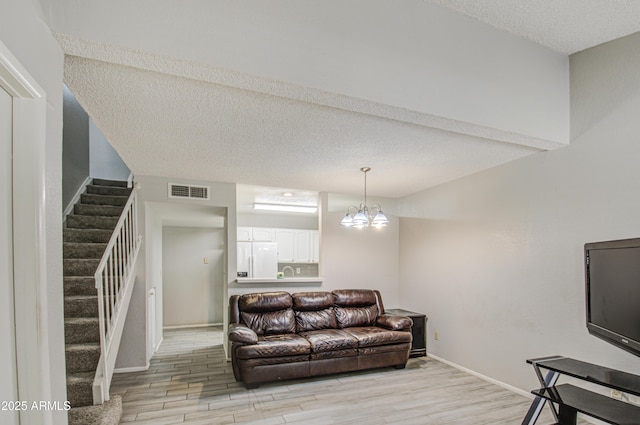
{"x": 181, "y": 191}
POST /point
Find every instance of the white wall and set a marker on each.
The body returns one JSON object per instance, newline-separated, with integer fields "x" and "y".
{"x": 419, "y": 56}
{"x": 28, "y": 38}
{"x": 495, "y": 260}
{"x": 192, "y": 288}
{"x": 75, "y": 148}
{"x": 105, "y": 161}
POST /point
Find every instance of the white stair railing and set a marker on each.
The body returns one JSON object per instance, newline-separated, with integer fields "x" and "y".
{"x": 115, "y": 277}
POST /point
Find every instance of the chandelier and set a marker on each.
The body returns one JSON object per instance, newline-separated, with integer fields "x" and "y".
{"x": 363, "y": 216}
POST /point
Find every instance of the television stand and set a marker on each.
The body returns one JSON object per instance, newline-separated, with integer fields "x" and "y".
{"x": 571, "y": 400}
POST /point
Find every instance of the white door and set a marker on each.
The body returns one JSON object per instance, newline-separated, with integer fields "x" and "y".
{"x": 8, "y": 370}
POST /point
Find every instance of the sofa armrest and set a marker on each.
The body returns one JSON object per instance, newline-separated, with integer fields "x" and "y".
{"x": 243, "y": 334}
{"x": 394, "y": 323}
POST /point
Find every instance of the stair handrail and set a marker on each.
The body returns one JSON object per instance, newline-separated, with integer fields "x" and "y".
{"x": 114, "y": 280}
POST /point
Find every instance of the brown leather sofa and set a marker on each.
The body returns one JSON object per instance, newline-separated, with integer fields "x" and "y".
{"x": 276, "y": 335}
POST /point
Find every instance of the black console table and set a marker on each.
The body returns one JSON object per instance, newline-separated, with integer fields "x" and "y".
{"x": 418, "y": 330}
{"x": 571, "y": 399}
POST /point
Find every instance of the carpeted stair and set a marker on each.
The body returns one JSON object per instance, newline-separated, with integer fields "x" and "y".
{"x": 87, "y": 232}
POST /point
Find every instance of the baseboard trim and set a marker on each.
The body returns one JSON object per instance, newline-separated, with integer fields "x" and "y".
{"x": 202, "y": 325}
{"x": 157, "y": 346}
{"x": 483, "y": 377}
{"x": 75, "y": 198}
{"x": 132, "y": 369}
{"x": 516, "y": 390}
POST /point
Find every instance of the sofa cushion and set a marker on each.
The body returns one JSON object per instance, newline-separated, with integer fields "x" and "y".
{"x": 329, "y": 340}
{"x": 369, "y": 336}
{"x": 242, "y": 334}
{"x": 264, "y": 302}
{"x": 275, "y": 346}
{"x": 312, "y": 301}
{"x": 271, "y": 323}
{"x": 354, "y": 297}
{"x": 356, "y": 316}
{"x": 314, "y": 310}
{"x": 394, "y": 323}
{"x": 316, "y": 320}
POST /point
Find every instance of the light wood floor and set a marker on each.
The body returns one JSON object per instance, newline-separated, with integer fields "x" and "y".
{"x": 190, "y": 382}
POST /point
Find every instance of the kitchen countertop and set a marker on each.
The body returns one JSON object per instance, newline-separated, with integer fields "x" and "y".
{"x": 284, "y": 280}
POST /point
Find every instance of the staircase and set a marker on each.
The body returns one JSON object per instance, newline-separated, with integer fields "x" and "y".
{"x": 87, "y": 232}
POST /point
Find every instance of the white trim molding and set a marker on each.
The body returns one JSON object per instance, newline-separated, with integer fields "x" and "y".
{"x": 69, "y": 209}
{"x": 29, "y": 227}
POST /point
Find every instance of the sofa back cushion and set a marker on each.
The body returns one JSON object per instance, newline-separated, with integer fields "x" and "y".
{"x": 355, "y": 307}
{"x": 314, "y": 311}
{"x": 268, "y": 313}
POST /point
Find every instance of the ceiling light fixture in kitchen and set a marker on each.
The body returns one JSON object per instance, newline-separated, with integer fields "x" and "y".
{"x": 359, "y": 217}
{"x": 309, "y": 209}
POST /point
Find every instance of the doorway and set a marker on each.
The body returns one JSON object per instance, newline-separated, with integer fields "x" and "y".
{"x": 160, "y": 216}
{"x": 192, "y": 281}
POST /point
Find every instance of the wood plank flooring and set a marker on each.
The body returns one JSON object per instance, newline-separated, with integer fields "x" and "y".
{"x": 191, "y": 382}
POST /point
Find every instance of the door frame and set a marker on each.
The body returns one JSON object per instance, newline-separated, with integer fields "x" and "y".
{"x": 29, "y": 235}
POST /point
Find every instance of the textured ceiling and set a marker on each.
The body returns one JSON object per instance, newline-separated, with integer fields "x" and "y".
{"x": 567, "y": 26}
{"x": 180, "y": 119}
{"x": 240, "y": 136}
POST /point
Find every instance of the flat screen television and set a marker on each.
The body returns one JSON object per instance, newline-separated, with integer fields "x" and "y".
{"x": 612, "y": 277}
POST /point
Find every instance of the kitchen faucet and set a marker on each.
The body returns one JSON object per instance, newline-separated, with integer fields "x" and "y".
{"x": 293, "y": 274}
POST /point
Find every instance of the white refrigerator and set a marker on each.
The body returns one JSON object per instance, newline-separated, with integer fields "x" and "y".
{"x": 257, "y": 260}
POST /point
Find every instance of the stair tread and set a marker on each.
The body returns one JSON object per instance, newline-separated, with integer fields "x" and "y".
{"x": 81, "y": 376}
{"x": 82, "y": 346}
{"x": 99, "y": 195}
{"x": 109, "y": 182}
{"x": 93, "y": 215}
{"x": 77, "y": 278}
{"x": 98, "y": 210}
{"x": 80, "y": 229}
{"x": 81, "y": 297}
{"x": 106, "y": 196}
{"x": 95, "y": 199}
{"x": 80, "y": 319}
{"x": 82, "y": 260}
{"x": 109, "y": 413}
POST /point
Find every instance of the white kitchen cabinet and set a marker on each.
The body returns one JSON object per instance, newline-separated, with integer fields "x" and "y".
{"x": 256, "y": 234}
{"x": 297, "y": 246}
{"x": 263, "y": 234}
{"x": 285, "y": 241}
{"x": 302, "y": 248}
{"x": 244, "y": 234}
